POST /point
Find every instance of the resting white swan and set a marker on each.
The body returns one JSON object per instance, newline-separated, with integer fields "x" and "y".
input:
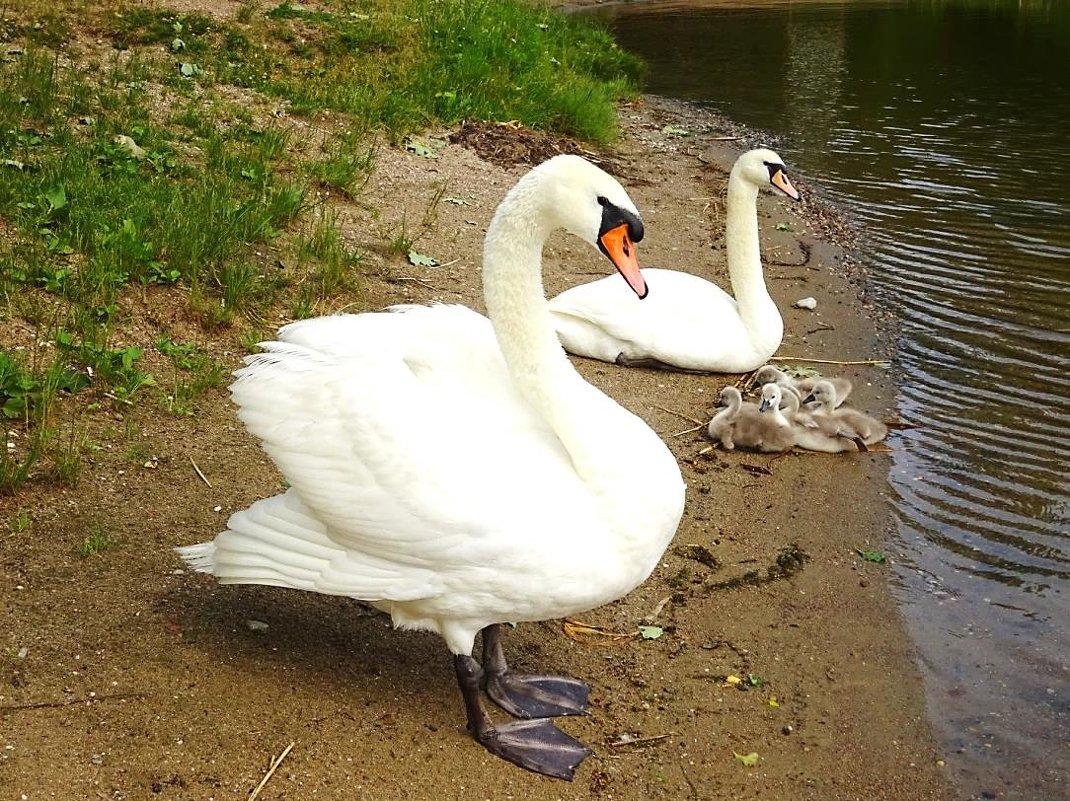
{"x": 688, "y": 323}
{"x": 849, "y": 423}
{"x": 802, "y": 386}
{"x": 459, "y": 475}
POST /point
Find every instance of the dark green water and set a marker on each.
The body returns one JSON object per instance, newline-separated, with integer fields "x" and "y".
{"x": 942, "y": 128}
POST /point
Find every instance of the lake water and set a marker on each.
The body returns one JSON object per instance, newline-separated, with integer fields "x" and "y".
{"x": 942, "y": 128}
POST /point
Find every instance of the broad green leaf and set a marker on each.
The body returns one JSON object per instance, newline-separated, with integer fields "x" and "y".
{"x": 747, "y": 760}
{"x": 420, "y": 260}
{"x": 870, "y": 556}
{"x": 420, "y": 149}
{"x": 650, "y": 632}
{"x": 56, "y": 198}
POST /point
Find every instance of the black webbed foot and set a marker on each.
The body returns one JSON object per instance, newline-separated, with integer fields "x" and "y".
{"x": 536, "y": 745}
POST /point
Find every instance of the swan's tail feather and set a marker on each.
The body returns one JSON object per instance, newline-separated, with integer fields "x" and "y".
{"x": 273, "y": 542}
{"x": 201, "y": 557}
{"x": 279, "y": 543}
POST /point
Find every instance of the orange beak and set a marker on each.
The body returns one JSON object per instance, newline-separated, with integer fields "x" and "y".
{"x": 779, "y": 179}
{"x": 620, "y": 249}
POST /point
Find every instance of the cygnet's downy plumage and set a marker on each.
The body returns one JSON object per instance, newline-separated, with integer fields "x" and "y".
{"x": 758, "y": 428}
{"x": 803, "y": 386}
{"x": 849, "y": 423}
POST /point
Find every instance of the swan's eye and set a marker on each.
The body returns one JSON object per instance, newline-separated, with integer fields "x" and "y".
{"x": 614, "y": 216}
{"x": 773, "y": 168}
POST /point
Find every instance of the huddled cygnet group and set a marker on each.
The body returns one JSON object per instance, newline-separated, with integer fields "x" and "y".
{"x": 793, "y": 413}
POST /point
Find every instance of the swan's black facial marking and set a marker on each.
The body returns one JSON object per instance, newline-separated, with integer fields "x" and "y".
{"x": 614, "y": 216}
{"x": 773, "y": 167}
{"x": 618, "y": 232}
{"x": 778, "y": 177}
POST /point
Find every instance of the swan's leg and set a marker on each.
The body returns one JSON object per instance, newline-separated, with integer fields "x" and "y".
{"x": 656, "y": 364}
{"x": 536, "y": 745}
{"x": 527, "y": 696}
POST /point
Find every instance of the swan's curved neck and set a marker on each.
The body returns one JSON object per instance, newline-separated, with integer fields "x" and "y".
{"x": 755, "y": 306}
{"x": 516, "y": 305}
{"x": 604, "y": 441}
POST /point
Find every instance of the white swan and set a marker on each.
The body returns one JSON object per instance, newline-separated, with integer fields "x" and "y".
{"x": 802, "y": 385}
{"x": 459, "y": 476}
{"x": 849, "y": 423}
{"x": 688, "y": 323}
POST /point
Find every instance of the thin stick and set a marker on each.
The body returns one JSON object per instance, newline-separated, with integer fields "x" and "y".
{"x": 420, "y": 281}
{"x": 699, "y": 427}
{"x": 275, "y": 762}
{"x": 825, "y": 361}
{"x": 203, "y": 478}
{"x": 118, "y": 399}
{"x": 640, "y": 740}
{"x": 683, "y": 416}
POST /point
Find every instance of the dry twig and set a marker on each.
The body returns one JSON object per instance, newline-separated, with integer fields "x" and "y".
{"x": 699, "y": 423}
{"x": 199, "y": 473}
{"x": 275, "y": 762}
{"x": 641, "y": 740}
{"x": 826, "y": 361}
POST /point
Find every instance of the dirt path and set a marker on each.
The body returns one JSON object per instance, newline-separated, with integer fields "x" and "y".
{"x": 123, "y": 676}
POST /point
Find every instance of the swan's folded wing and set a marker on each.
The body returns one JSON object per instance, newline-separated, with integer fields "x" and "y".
{"x": 404, "y": 435}
{"x": 683, "y": 316}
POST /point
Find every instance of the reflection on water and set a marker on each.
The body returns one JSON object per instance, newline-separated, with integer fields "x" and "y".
{"x": 942, "y": 126}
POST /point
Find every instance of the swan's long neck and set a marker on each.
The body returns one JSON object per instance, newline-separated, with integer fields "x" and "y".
{"x": 516, "y": 305}
{"x": 756, "y": 308}
{"x": 610, "y": 448}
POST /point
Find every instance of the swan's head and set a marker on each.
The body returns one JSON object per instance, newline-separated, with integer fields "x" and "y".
{"x": 589, "y": 203}
{"x": 763, "y": 166}
{"x": 824, "y": 392}
{"x": 771, "y": 397}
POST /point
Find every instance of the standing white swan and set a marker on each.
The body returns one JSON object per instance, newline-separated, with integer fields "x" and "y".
{"x": 688, "y": 323}
{"x": 460, "y": 476}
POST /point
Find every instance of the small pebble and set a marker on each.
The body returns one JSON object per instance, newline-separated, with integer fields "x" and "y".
{"x": 805, "y": 303}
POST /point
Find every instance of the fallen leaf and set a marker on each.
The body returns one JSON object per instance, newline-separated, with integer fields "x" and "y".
{"x": 420, "y": 149}
{"x": 735, "y": 681}
{"x": 773, "y": 702}
{"x": 421, "y": 260}
{"x": 871, "y": 556}
{"x": 675, "y": 130}
{"x": 747, "y": 760}
{"x": 754, "y": 680}
{"x": 650, "y": 632}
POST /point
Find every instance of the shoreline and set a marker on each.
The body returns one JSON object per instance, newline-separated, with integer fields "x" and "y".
{"x": 171, "y": 692}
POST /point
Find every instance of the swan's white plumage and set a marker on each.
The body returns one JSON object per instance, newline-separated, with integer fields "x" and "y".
{"x": 686, "y": 321}
{"x": 431, "y": 477}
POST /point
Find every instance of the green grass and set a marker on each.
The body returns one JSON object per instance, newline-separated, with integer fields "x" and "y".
{"x": 97, "y": 539}
{"x": 157, "y": 167}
